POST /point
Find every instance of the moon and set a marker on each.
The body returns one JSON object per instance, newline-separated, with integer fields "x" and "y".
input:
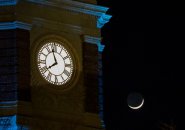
{"x": 135, "y": 100}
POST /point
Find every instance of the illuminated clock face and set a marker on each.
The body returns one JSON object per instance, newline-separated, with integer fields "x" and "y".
{"x": 55, "y": 63}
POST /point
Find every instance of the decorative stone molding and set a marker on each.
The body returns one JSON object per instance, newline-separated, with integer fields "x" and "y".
{"x": 103, "y": 20}
{"x": 14, "y": 25}
{"x": 80, "y": 7}
{"x": 8, "y": 2}
{"x": 8, "y": 108}
{"x": 94, "y": 40}
{"x": 74, "y": 6}
{"x": 88, "y": 9}
{"x": 88, "y": 1}
{"x": 8, "y": 104}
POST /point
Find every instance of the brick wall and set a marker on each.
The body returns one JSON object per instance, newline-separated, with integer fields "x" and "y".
{"x": 14, "y": 65}
{"x": 90, "y": 66}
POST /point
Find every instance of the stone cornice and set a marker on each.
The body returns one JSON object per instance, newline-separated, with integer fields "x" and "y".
{"x": 95, "y": 10}
{"x": 103, "y": 20}
{"x": 8, "y": 2}
{"x": 8, "y": 108}
{"x": 8, "y": 104}
{"x": 90, "y": 9}
{"x": 74, "y": 6}
{"x": 94, "y": 40}
{"x": 14, "y": 25}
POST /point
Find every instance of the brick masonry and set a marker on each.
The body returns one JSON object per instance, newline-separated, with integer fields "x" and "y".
{"x": 90, "y": 67}
{"x": 14, "y": 65}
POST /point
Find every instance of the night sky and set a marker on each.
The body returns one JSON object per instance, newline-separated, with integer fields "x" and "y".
{"x": 144, "y": 53}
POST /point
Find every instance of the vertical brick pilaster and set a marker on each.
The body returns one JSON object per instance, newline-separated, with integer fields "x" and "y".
{"x": 90, "y": 67}
{"x": 14, "y": 69}
{"x": 8, "y": 72}
{"x": 8, "y": 66}
{"x": 23, "y": 53}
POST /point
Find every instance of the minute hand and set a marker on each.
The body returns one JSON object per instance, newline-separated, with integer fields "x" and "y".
{"x": 54, "y": 56}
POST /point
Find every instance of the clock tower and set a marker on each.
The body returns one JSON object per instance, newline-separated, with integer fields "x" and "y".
{"x": 50, "y": 64}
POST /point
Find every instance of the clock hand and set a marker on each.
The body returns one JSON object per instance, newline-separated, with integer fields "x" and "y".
{"x": 52, "y": 65}
{"x": 54, "y": 56}
{"x": 54, "y": 59}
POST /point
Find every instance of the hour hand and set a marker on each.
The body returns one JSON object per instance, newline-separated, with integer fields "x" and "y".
{"x": 52, "y": 65}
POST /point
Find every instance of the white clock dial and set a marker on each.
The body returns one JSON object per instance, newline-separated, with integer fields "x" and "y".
{"x": 55, "y": 63}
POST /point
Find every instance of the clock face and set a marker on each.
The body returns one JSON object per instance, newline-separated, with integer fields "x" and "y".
{"x": 55, "y": 63}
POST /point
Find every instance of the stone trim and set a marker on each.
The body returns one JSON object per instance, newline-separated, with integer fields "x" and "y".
{"x": 103, "y": 20}
{"x": 94, "y": 40}
{"x": 95, "y": 10}
{"x": 14, "y": 25}
{"x": 8, "y": 2}
{"x": 74, "y": 6}
{"x": 8, "y": 104}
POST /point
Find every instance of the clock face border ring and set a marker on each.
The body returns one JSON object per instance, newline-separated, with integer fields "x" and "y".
{"x": 55, "y": 63}
{"x": 39, "y": 79}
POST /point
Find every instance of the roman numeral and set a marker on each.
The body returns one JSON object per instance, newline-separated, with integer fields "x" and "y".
{"x": 66, "y": 72}
{"x": 42, "y": 61}
{"x": 49, "y": 51}
{"x": 44, "y": 69}
{"x": 60, "y": 50}
{"x": 54, "y": 47}
{"x": 49, "y": 76}
{"x": 61, "y": 77}
{"x": 68, "y": 65}
{"x": 41, "y": 53}
{"x": 56, "y": 79}
{"x": 65, "y": 57}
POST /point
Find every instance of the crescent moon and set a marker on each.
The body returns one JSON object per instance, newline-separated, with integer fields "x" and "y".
{"x": 137, "y": 106}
